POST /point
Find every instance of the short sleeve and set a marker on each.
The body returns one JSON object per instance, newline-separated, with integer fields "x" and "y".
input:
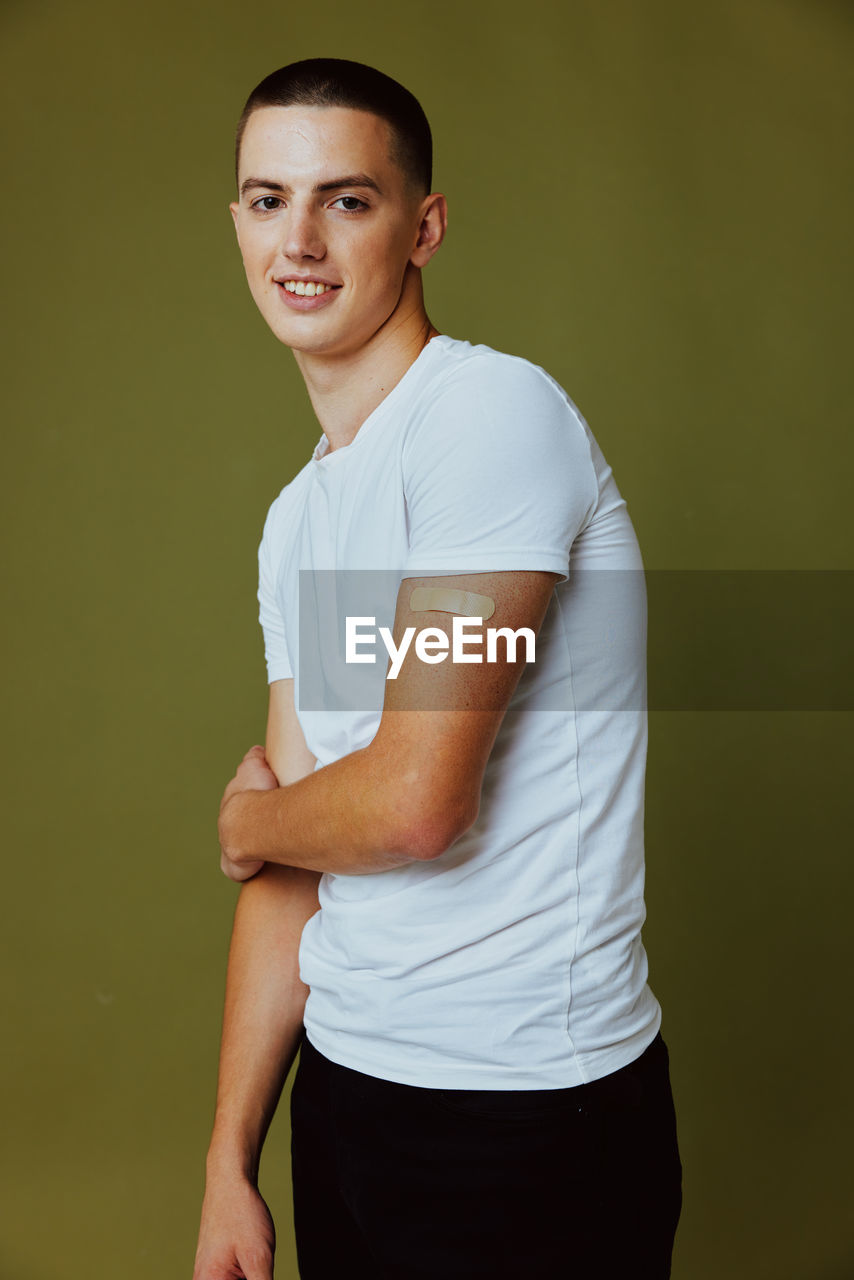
{"x": 498, "y": 473}
{"x": 269, "y": 613}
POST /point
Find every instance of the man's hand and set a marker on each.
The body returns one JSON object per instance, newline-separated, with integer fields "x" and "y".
{"x": 237, "y": 1236}
{"x": 253, "y": 774}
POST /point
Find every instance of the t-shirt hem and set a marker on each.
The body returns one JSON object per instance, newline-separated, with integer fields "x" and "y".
{"x": 278, "y": 671}
{"x": 583, "y": 1068}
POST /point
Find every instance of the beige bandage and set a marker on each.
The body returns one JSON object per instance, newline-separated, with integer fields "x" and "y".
{"x": 450, "y": 600}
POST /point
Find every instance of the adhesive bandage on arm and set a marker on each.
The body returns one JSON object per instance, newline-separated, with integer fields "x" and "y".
{"x": 451, "y": 600}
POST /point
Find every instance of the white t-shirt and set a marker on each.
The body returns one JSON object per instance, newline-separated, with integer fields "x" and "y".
{"x": 514, "y": 960}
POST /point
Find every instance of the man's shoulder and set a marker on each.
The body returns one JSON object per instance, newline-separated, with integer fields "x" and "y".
{"x": 476, "y": 363}
{"x": 287, "y": 500}
{"x": 485, "y": 396}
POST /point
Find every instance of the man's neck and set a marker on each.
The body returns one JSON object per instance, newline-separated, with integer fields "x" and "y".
{"x": 345, "y": 390}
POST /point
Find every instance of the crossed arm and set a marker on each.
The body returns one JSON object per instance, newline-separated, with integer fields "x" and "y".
{"x": 415, "y": 788}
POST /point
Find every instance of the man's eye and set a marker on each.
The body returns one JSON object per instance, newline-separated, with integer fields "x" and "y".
{"x": 259, "y": 203}
{"x": 352, "y": 204}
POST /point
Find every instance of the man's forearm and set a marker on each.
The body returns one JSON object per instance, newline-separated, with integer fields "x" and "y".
{"x": 354, "y": 816}
{"x": 262, "y": 1022}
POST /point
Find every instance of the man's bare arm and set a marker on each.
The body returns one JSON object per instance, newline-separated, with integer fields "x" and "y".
{"x": 415, "y": 788}
{"x": 262, "y": 1024}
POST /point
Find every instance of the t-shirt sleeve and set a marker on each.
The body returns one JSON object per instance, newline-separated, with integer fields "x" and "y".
{"x": 269, "y": 611}
{"x": 498, "y": 474}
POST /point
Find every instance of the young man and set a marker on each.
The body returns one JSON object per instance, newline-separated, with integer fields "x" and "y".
{"x": 453, "y": 875}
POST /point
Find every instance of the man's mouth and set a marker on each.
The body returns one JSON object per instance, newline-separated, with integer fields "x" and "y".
{"x": 307, "y": 288}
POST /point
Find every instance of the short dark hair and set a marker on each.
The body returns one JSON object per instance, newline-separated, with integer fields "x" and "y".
{"x": 337, "y": 82}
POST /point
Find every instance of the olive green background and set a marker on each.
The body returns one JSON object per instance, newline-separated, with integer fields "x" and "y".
{"x": 653, "y": 200}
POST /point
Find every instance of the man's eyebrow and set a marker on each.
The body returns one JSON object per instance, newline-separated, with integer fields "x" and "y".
{"x": 349, "y": 180}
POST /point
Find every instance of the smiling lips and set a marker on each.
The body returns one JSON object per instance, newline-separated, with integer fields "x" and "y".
{"x": 305, "y": 295}
{"x": 307, "y": 288}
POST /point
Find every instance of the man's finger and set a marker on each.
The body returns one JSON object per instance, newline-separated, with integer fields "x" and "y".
{"x": 238, "y": 871}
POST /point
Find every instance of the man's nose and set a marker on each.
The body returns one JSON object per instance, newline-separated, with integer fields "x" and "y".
{"x": 302, "y": 235}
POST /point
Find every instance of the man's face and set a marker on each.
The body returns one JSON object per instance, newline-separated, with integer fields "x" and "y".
{"x": 328, "y": 207}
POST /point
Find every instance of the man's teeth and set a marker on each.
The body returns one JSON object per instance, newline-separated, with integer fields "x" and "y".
{"x": 306, "y": 288}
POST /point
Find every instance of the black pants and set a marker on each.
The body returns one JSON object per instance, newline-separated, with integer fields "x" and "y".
{"x": 397, "y": 1182}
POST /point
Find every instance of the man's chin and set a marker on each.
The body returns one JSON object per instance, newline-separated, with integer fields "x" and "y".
{"x": 306, "y": 343}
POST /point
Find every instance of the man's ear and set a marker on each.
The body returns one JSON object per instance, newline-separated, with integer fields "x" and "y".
{"x": 234, "y": 209}
{"x": 431, "y": 229}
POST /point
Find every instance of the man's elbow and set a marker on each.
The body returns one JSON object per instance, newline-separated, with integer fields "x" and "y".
{"x": 431, "y": 829}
